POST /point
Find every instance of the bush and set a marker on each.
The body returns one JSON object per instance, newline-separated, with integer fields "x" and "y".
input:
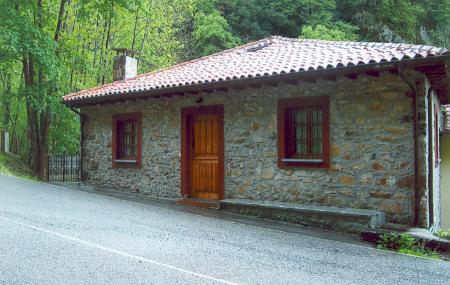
{"x": 405, "y": 243}
{"x": 396, "y": 241}
{"x": 445, "y": 234}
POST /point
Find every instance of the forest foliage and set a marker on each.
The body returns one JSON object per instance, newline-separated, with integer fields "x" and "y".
{"x": 49, "y": 48}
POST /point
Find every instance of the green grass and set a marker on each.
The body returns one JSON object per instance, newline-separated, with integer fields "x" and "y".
{"x": 11, "y": 164}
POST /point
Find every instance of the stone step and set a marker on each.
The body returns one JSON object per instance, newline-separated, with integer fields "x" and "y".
{"x": 202, "y": 203}
{"x": 333, "y": 218}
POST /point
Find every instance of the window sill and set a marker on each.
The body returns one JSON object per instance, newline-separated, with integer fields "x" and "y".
{"x": 126, "y": 163}
{"x": 296, "y": 163}
{"x": 297, "y": 160}
{"x": 125, "y": 160}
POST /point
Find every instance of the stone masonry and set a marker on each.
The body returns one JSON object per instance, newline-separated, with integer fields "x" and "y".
{"x": 371, "y": 141}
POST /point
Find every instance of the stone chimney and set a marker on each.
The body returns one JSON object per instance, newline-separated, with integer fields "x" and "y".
{"x": 124, "y": 64}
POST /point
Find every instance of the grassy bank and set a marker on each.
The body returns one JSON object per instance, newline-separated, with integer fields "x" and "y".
{"x": 11, "y": 164}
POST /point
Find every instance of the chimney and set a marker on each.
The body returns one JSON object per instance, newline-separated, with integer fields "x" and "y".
{"x": 124, "y": 64}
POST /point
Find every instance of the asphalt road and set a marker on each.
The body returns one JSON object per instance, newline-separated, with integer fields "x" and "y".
{"x": 55, "y": 235}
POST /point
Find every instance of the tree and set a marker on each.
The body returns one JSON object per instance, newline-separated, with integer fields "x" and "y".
{"x": 49, "y": 48}
{"x": 383, "y": 20}
{"x": 212, "y": 34}
{"x": 346, "y": 33}
{"x": 25, "y": 38}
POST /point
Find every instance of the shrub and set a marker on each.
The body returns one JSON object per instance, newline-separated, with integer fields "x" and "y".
{"x": 396, "y": 241}
{"x": 445, "y": 234}
{"x": 405, "y": 243}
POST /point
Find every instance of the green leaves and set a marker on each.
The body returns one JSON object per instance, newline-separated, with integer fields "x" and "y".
{"x": 165, "y": 32}
{"x": 342, "y": 32}
{"x": 212, "y": 34}
{"x": 406, "y": 244}
{"x": 420, "y": 21}
{"x": 19, "y": 35}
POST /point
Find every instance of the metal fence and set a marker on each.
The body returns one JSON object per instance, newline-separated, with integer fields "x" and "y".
{"x": 64, "y": 168}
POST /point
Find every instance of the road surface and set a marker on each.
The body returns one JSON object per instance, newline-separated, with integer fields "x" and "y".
{"x": 56, "y": 235}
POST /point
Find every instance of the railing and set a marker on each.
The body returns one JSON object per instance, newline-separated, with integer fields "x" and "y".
{"x": 63, "y": 168}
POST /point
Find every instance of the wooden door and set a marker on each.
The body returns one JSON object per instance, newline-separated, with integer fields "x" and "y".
{"x": 205, "y": 157}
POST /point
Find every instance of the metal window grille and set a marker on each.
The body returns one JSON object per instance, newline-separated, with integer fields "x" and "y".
{"x": 307, "y": 137}
{"x": 127, "y": 139}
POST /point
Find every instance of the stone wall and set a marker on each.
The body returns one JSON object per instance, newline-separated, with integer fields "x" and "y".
{"x": 371, "y": 133}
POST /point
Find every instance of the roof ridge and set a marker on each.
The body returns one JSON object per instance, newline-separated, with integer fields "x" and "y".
{"x": 364, "y": 43}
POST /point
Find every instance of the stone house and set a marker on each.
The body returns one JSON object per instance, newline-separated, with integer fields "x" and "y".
{"x": 347, "y": 125}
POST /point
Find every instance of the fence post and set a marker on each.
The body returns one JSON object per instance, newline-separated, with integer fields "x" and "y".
{"x": 79, "y": 168}
{"x": 64, "y": 166}
{"x": 48, "y": 168}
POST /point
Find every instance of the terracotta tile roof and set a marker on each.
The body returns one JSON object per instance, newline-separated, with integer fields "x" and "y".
{"x": 446, "y": 118}
{"x": 271, "y": 56}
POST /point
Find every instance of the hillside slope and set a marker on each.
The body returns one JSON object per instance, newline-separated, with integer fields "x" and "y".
{"x": 11, "y": 164}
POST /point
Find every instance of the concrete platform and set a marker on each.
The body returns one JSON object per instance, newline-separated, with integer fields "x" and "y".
{"x": 334, "y": 218}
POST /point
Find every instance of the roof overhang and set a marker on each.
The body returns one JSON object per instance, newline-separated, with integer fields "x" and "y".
{"x": 435, "y": 67}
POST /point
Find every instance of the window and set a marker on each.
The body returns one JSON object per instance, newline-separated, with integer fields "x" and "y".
{"x": 303, "y": 132}
{"x": 127, "y": 136}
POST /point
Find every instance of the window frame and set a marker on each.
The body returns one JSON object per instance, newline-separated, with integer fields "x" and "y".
{"x": 284, "y": 107}
{"x": 132, "y": 163}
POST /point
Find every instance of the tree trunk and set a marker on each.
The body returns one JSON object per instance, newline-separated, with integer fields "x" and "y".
{"x": 102, "y": 49}
{"x": 6, "y": 80}
{"x": 43, "y": 150}
{"x": 28, "y": 71}
{"x": 108, "y": 36}
{"x": 135, "y": 29}
{"x": 60, "y": 20}
{"x": 144, "y": 38}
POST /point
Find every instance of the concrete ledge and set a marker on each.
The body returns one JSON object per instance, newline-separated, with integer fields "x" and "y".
{"x": 334, "y": 218}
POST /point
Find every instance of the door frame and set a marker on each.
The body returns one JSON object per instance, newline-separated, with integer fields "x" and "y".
{"x": 187, "y": 115}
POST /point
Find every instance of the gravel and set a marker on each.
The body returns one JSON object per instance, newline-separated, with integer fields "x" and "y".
{"x": 55, "y": 235}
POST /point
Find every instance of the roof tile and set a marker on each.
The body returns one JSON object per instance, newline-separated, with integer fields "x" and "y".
{"x": 274, "y": 55}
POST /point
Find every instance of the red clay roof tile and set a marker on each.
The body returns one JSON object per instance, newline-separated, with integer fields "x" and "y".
{"x": 271, "y": 56}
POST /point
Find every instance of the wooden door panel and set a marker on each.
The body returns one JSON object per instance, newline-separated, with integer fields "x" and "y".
{"x": 205, "y": 179}
{"x": 205, "y": 157}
